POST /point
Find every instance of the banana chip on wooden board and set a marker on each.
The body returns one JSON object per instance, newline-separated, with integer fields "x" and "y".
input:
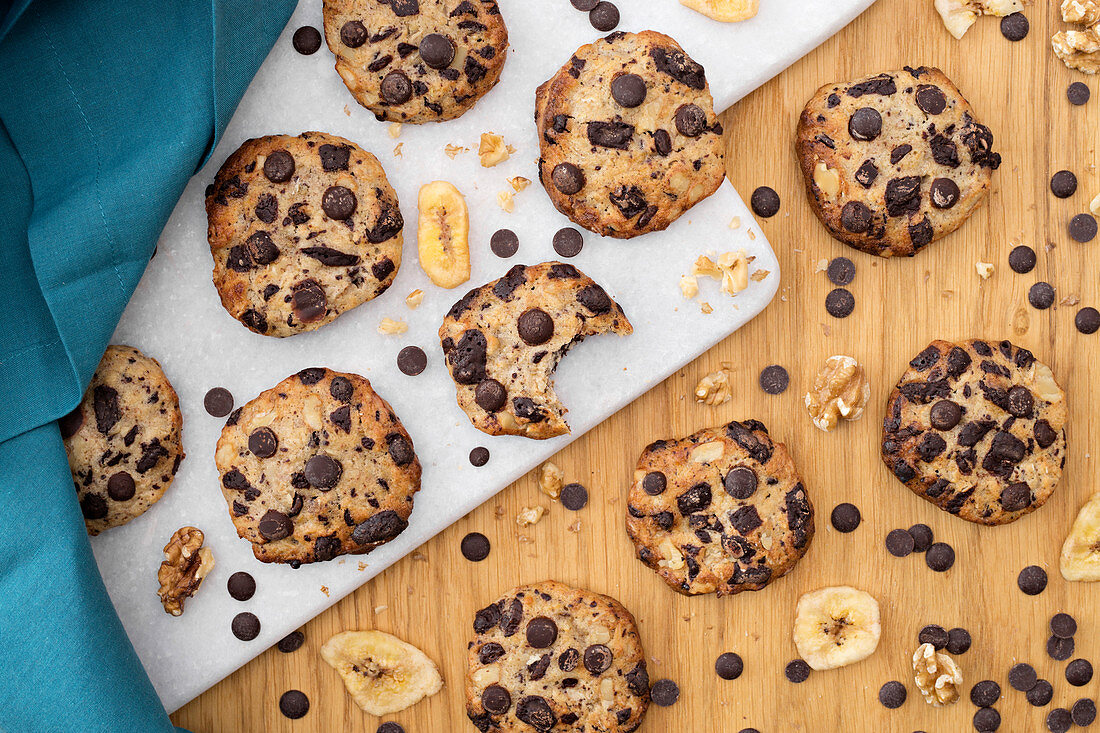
{"x": 726, "y": 11}
{"x": 383, "y": 674}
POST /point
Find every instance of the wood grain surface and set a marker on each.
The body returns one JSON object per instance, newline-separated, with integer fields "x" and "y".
{"x": 429, "y": 598}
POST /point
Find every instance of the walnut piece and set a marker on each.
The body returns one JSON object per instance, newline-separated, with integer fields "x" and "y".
{"x": 985, "y": 269}
{"x": 937, "y": 676}
{"x": 493, "y": 150}
{"x": 530, "y": 515}
{"x": 689, "y": 286}
{"x": 506, "y": 200}
{"x": 186, "y": 563}
{"x": 715, "y": 388}
{"x": 519, "y": 183}
{"x": 391, "y": 327}
{"x": 1078, "y": 49}
{"x": 551, "y": 479}
{"x": 414, "y": 299}
{"x": 1085, "y": 12}
{"x": 841, "y": 390}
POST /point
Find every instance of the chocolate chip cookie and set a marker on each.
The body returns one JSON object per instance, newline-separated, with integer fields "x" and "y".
{"x": 721, "y": 511}
{"x": 123, "y": 439}
{"x": 895, "y": 161}
{"x": 315, "y": 467}
{"x": 628, "y": 136}
{"x": 417, "y": 60}
{"x": 503, "y": 341}
{"x": 978, "y": 429}
{"x": 301, "y": 229}
{"x": 550, "y": 657}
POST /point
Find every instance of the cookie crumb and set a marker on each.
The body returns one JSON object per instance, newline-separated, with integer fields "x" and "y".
{"x": 453, "y": 150}
{"x": 689, "y": 286}
{"x": 397, "y": 150}
{"x": 706, "y": 308}
{"x": 530, "y": 515}
{"x": 395, "y": 130}
{"x": 492, "y": 149}
{"x": 506, "y": 201}
{"x": 575, "y": 527}
{"x": 519, "y": 183}
{"x": 324, "y": 589}
{"x": 414, "y": 299}
{"x": 735, "y": 222}
{"x": 985, "y": 269}
{"x": 380, "y": 609}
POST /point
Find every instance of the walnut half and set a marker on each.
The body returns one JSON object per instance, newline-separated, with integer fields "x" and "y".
{"x": 186, "y": 563}
{"x": 841, "y": 390}
{"x": 715, "y": 388}
{"x": 937, "y": 676}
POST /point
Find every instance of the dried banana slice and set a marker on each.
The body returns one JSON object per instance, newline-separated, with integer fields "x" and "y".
{"x": 1081, "y": 551}
{"x": 836, "y": 626}
{"x": 383, "y": 674}
{"x": 726, "y": 11}
{"x": 442, "y": 234}
{"x": 959, "y": 15}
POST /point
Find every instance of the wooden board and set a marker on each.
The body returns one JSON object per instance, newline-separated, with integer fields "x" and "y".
{"x": 430, "y": 598}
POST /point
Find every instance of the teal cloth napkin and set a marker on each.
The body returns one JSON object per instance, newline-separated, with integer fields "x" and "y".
{"x": 107, "y": 107}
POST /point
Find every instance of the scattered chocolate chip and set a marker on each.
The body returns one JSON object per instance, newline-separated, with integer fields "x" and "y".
{"x": 1014, "y": 26}
{"x": 1083, "y": 228}
{"x": 306, "y": 40}
{"x": 1084, "y": 712}
{"x": 935, "y": 635}
{"x": 1087, "y": 320}
{"x": 1041, "y": 694}
{"x": 958, "y": 641}
{"x": 568, "y": 242}
{"x": 892, "y": 695}
{"x": 584, "y": 5}
{"x": 279, "y": 166}
{"x": 1032, "y": 580}
{"x": 940, "y": 557}
{"x": 664, "y": 692}
{"x": 899, "y": 543}
{"x": 628, "y": 90}
{"x": 1022, "y": 677}
{"x": 841, "y": 271}
{"x": 396, "y": 88}
{"x": 1022, "y": 259}
{"x": 986, "y": 720}
{"x": 1063, "y": 184}
{"x": 241, "y": 586}
{"x": 567, "y": 178}
{"x": 729, "y": 666}
{"x": 246, "y": 626}
{"x": 437, "y": 51}
{"x": 865, "y": 124}
{"x": 840, "y": 303}
{"x": 292, "y": 642}
{"x": 390, "y": 727}
{"x": 412, "y": 360}
{"x": 797, "y": 671}
{"x": 922, "y": 537}
{"x": 1078, "y": 672}
{"x": 574, "y": 497}
{"x": 1060, "y": 649}
{"x": 504, "y": 243}
{"x": 475, "y": 547}
{"x": 764, "y": 202}
{"x": 1078, "y": 93}
{"x": 294, "y": 704}
{"x": 604, "y": 17}
{"x": 1041, "y": 295}
{"x": 479, "y": 456}
{"x": 774, "y": 379}
{"x": 845, "y": 517}
{"x": 218, "y": 402}
{"x": 1063, "y": 625}
{"x": 985, "y": 694}
{"x": 339, "y": 202}
{"x": 1059, "y": 720}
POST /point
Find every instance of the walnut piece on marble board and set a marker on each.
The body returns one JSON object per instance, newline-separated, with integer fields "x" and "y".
{"x": 186, "y": 563}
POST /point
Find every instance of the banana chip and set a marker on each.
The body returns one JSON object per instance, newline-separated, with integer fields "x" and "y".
{"x": 383, "y": 674}
{"x": 836, "y": 626}
{"x": 1081, "y": 551}
{"x": 726, "y": 11}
